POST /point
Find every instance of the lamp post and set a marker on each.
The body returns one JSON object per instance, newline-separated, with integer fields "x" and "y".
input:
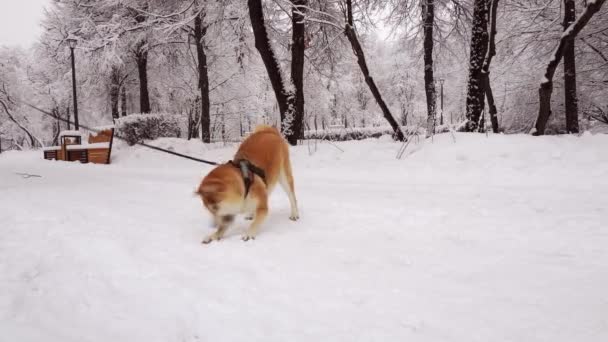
{"x": 72, "y": 43}
{"x": 441, "y": 80}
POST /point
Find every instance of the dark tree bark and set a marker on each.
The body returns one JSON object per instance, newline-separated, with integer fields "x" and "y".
{"x": 294, "y": 128}
{"x": 485, "y": 69}
{"x": 57, "y": 126}
{"x": 546, "y": 86}
{"x": 479, "y": 47}
{"x": 570, "y": 71}
{"x": 200, "y": 31}
{"x": 123, "y": 100}
{"x": 192, "y": 122}
{"x": 285, "y": 99}
{"x": 115, "y": 91}
{"x": 349, "y": 30}
{"x": 67, "y": 113}
{"x": 141, "y": 57}
{"x": 195, "y": 118}
{"x": 428, "y": 16}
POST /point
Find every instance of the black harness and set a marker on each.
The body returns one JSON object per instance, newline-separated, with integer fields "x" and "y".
{"x": 248, "y": 170}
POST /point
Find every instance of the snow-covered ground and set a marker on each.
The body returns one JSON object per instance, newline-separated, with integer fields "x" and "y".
{"x": 499, "y": 238}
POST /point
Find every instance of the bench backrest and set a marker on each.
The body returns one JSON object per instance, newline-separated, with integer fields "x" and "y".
{"x": 102, "y": 136}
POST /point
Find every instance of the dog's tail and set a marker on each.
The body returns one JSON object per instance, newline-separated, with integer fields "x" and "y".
{"x": 266, "y": 129}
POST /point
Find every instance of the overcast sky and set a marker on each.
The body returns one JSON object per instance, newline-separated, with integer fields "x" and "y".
{"x": 20, "y": 21}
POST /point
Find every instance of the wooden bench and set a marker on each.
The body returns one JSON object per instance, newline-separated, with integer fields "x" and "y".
{"x": 98, "y": 150}
{"x": 65, "y": 138}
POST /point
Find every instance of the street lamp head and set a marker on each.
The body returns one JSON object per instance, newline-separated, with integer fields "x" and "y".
{"x": 72, "y": 41}
{"x": 441, "y": 80}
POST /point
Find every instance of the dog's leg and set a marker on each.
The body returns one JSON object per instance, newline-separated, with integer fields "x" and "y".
{"x": 286, "y": 180}
{"x": 223, "y": 224}
{"x": 260, "y": 215}
{"x": 217, "y": 235}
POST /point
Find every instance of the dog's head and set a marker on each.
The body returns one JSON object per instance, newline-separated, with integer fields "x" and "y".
{"x": 212, "y": 194}
{"x": 219, "y": 200}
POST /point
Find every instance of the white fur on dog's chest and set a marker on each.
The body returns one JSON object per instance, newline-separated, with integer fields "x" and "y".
{"x": 249, "y": 205}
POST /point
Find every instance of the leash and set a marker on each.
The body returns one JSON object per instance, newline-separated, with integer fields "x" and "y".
{"x": 118, "y": 136}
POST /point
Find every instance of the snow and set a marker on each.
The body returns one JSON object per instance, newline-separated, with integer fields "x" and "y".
{"x": 103, "y": 128}
{"x": 52, "y": 148}
{"x": 498, "y": 238}
{"x": 71, "y": 133}
{"x": 89, "y": 146}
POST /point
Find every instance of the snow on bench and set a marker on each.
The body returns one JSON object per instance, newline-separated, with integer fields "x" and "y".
{"x": 71, "y": 133}
{"x": 88, "y": 146}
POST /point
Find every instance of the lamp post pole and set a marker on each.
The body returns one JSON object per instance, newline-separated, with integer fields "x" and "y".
{"x": 72, "y": 42}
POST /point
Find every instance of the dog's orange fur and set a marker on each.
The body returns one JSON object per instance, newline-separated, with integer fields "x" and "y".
{"x": 223, "y": 189}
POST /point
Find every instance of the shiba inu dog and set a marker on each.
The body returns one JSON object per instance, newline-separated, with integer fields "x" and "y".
{"x": 242, "y": 185}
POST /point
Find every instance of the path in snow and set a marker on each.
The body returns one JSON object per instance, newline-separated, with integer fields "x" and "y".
{"x": 489, "y": 239}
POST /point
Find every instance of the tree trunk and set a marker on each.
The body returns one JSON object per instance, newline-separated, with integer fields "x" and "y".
{"x": 485, "y": 69}
{"x": 57, "y": 126}
{"x": 349, "y": 30}
{"x": 68, "y": 118}
{"x": 189, "y": 123}
{"x": 546, "y": 85}
{"x": 141, "y": 57}
{"x": 203, "y": 77}
{"x": 570, "y": 71}
{"x": 196, "y": 118}
{"x": 285, "y": 99}
{"x": 428, "y": 15}
{"x": 114, "y": 92}
{"x": 123, "y": 100}
{"x": 294, "y": 129}
{"x": 479, "y": 47}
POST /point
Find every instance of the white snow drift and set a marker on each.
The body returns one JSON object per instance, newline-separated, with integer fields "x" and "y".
{"x": 503, "y": 238}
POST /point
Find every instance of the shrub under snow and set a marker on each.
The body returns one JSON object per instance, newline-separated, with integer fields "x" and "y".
{"x": 138, "y": 127}
{"x": 358, "y": 133}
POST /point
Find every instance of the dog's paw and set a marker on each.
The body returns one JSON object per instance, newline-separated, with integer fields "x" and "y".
{"x": 247, "y": 237}
{"x": 294, "y": 217}
{"x": 249, "y": 217}
{"x": 209, "y": 238}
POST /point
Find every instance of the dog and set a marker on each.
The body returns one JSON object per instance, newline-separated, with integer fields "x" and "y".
{"x": 243, "y": 185}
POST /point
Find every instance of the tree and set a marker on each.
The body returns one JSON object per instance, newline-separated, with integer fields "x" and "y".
{"x": 428, "y": 15}
{"x": 485, "y": 69}
{"x": 11, "y": 92}
{"x": 351, "y": 34}
{"x": 570, "y": 71}
{"x": 141, "y": 58}
{"x": 294, "y": 129}
{"x": 291, "y": 102}
{"x": 546, "y": 85}
{"x": 479, "y": 46}
{"x": 285, "y": 98}
{"x": 200, "y": 30}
